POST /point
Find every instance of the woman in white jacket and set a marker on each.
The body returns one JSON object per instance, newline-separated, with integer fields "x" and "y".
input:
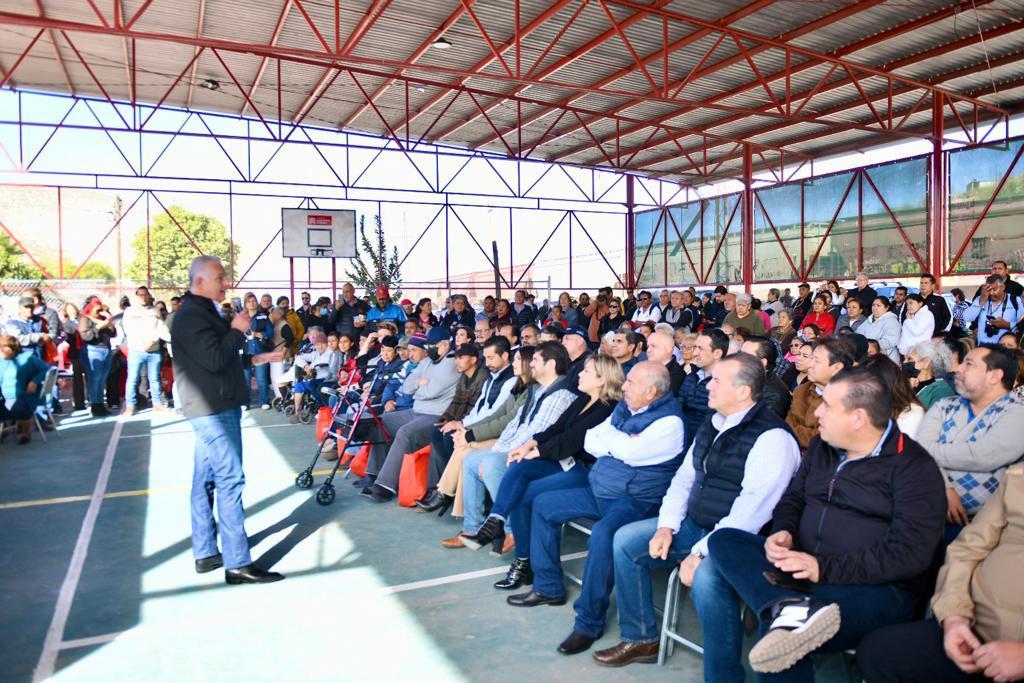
{"x": 919, "y": 325}
{"x": 884, "y": 327}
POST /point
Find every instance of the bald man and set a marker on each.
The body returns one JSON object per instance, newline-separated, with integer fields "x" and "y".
{"x": 660, "y": 349}
{"x": 638, "y": 450}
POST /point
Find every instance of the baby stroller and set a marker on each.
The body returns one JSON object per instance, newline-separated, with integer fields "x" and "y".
{"x": 353, "y": 427}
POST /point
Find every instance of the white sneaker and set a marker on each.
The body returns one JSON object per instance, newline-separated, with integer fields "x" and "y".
{"x": 265, "y": 406}
{"x": 799, "y": 628}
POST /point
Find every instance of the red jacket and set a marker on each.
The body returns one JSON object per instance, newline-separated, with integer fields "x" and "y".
{"x": 825, "y": 322}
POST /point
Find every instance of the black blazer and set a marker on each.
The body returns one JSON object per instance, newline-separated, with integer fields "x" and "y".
{"x": 208, "y": 359}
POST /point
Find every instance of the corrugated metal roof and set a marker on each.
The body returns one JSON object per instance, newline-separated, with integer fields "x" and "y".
{"x": 598, "y": 73}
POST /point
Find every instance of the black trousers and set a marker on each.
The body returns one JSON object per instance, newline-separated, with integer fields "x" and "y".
{"x": 441, "y": 448}
{"x": 78, "y": 381}
{"x": 908, "y": 653}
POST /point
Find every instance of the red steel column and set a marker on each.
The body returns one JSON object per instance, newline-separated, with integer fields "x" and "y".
{"x": 630, "y": 234}
{"x": 937, "y": 193}
{"x": 747, "y": 227}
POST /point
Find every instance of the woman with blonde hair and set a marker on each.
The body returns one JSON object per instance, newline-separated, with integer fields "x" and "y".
{"x": 553, "y": 460}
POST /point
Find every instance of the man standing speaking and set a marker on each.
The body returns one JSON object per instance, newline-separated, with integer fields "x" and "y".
{"x": 208, "y": 368}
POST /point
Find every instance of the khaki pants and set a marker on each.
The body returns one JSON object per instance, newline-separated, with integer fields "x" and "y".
{"x": 451, "y": 481}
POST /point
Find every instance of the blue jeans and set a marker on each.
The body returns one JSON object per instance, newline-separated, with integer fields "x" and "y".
{"x": 97, "y": 367}
{"x": 550, "y": 511}
{"x": 262, "y": 373}
{"x": 741, "y": 562}
{"x": 137, "y": 359}
{"x": 633, "y": 565}
{"x": 218, "y": 468}
{"x": 523, "y": 482}
{"x": 492, "y": 463}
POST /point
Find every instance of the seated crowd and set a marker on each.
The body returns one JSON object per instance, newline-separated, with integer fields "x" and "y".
{"x": 848, "y": 467}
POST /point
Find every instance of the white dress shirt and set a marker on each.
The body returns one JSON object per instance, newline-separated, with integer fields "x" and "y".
{"x": 661, "y": 441}
{"x": 770, "y": 465}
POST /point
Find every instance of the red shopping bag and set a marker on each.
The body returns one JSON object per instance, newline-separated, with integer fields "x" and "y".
{"x": 324, "y": 418}
{"x": 412, "y": 482}
{"x": 358, "y": 464}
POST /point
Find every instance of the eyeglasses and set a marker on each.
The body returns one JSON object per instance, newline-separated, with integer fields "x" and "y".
{"x": 689, "y": 347}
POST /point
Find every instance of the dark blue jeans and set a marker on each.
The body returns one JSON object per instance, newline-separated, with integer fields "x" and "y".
{"x": 262, "y": 374}
{"x": 534, "y": 482}
{"x": 740, "y": 560}
{"x": 550, "y": 511}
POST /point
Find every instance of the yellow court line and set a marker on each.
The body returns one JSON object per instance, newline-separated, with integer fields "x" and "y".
{"x": 123, "y": 494}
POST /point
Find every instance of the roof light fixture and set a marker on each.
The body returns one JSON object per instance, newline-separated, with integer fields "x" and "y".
{"x": 210, "y": 84}
{"x": 441, "y": 43}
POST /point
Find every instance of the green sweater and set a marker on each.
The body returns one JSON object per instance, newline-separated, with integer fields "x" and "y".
{"x": 933, "y": 392}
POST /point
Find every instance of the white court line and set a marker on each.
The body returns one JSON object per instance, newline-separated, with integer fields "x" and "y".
{"x": 385, "y": 590}
{"x": 51, "y": 646}
{"x": 156, "y": 431}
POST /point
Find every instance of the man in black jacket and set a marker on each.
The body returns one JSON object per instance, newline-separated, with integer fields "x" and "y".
{"x": 208, "y": 368}
{"x": 853, "y": 539}
{"x": 935, "y": 303}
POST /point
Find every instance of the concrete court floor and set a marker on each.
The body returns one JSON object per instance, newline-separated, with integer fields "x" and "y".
{"x": 98, "y": 582}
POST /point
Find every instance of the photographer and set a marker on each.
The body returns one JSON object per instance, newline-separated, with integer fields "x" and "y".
{"x": 995, "y": 309}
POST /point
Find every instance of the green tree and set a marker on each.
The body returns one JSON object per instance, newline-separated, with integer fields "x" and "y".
{"x": 13, "y": 264}
{"x": 170, "y": 252}
{"x": 374, "y": 265}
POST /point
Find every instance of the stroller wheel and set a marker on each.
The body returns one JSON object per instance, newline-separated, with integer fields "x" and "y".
{"x": 275, "y": 403}
{"x": 304, "y": 480}
{"x": 289, "y": 410}
{"x": 306, "y": 415}
{"x": 325, "y": 494}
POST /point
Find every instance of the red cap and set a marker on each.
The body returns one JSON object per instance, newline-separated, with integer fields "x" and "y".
{"x": 406, "y": 302}
{"x": 382, "y": 291}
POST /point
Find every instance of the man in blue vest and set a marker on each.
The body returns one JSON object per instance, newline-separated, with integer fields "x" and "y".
{"x": 712, "y": 346}
{"x": 735, "y": 472}
{"x": 638, "y": 450}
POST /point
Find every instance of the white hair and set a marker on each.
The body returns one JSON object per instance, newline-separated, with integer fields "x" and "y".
{"x": 666, "y": 328}
{"x": 198, "y": 267}
{"x": 744, "y": 298}
{"x": 938, "y": 353}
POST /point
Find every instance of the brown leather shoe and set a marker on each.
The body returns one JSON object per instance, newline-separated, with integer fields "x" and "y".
{"x": 627, "y": 653}
{"x": 455, "y": 541}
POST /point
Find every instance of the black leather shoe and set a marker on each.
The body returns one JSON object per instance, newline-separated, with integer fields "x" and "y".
{"x": 208, "y": 564}
{"x": 377, "y": 493}
{"x": 532, "y": 599}
{"x": 438, "y": 502}
{"x": 251, "y": 574}
{"x": 576, "y": 643}
{"x": 519, "y": 574}
{"x": 492, "y": 528}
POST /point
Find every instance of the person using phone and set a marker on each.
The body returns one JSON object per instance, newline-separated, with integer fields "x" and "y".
{"x": 975, "y": 633}
{"x": 754, "y": 455}
{"x": 861, "y": 521}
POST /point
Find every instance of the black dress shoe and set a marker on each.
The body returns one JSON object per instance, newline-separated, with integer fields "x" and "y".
{"x": 519, "y": 574}
{"x": 436, "y": 502}
{"x": 377, "y": 493}
{"x": 532, "y": 599}
{"x": 576, "y": 643}
{"x": 208, "y": 564}
{"x": 492, "y": 528}
{"x": 250, "y": 574}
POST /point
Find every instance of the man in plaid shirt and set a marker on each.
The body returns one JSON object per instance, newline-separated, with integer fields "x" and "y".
{"x": 976, "y": 436}
{"x": 547, "y": 400}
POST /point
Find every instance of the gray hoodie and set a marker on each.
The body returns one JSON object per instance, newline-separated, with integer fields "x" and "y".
{"x": 886, "y": 331}
{"x": 433, "y": 397}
